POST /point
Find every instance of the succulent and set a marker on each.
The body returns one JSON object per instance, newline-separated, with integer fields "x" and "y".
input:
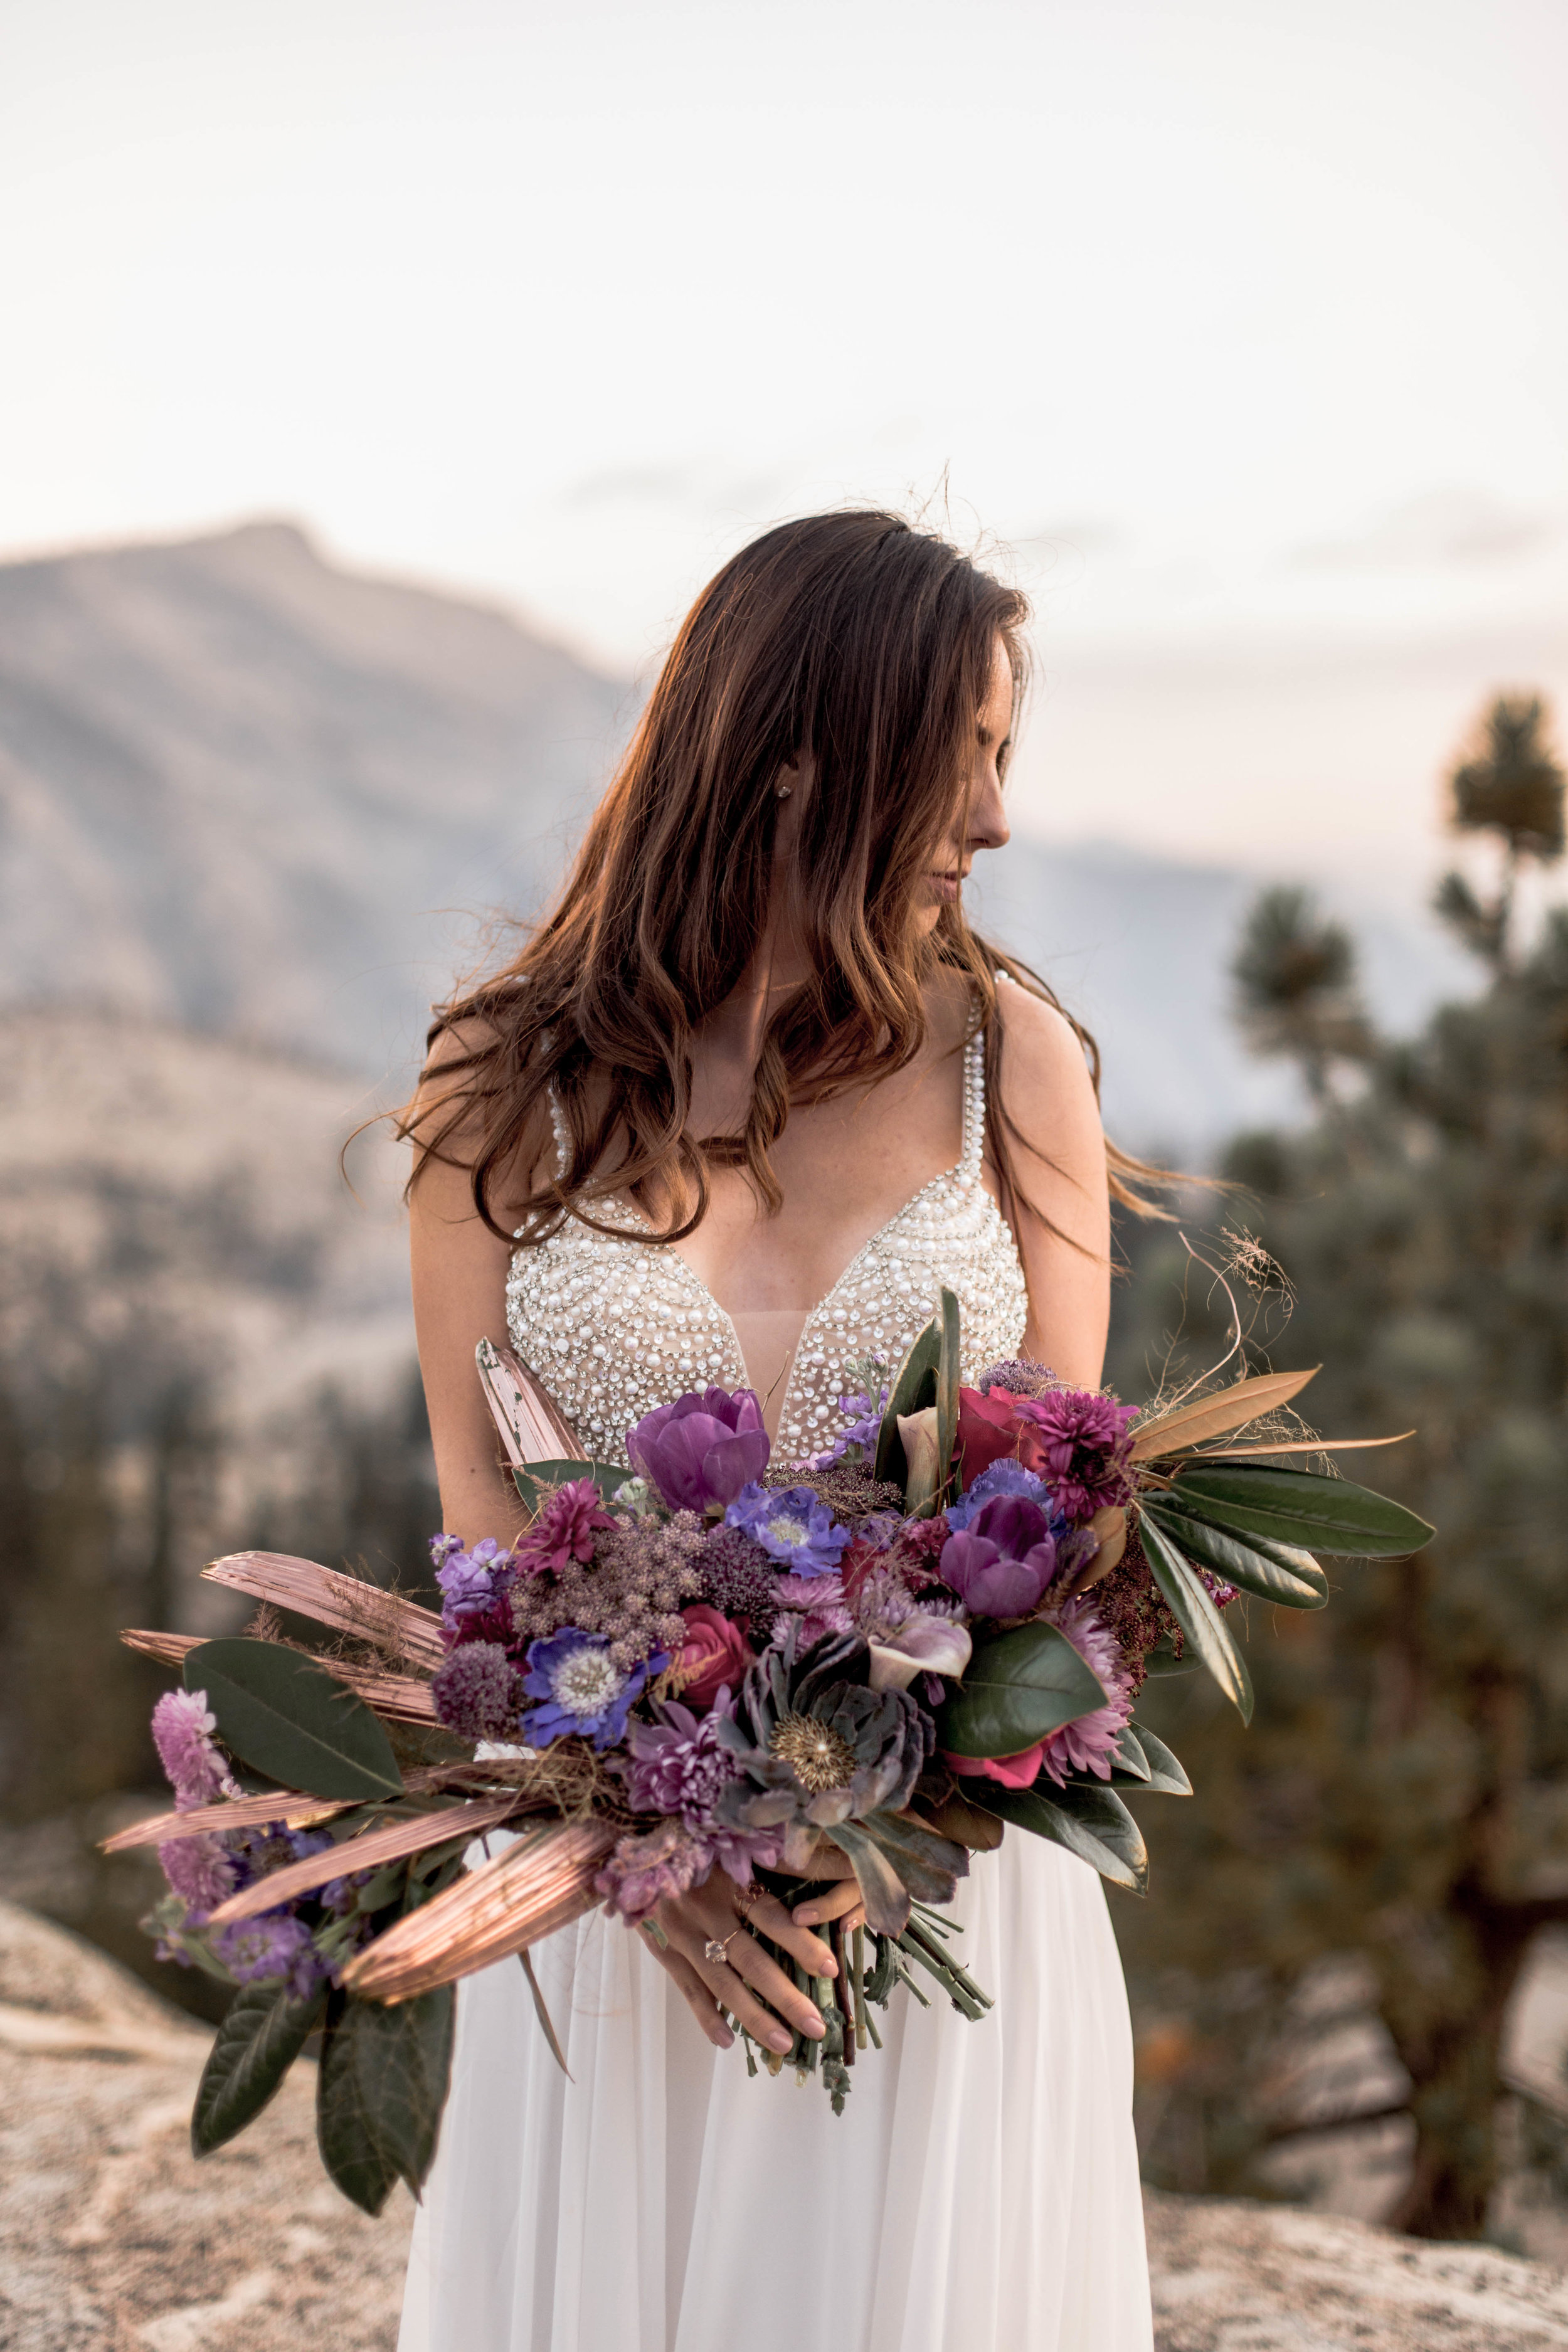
{"x": 821, "y": 1754}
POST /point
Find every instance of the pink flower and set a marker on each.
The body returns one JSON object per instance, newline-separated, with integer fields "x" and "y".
{"x": 1020, "y": 1771}
{"x": 642, "y": 1871}
{"x": 1088, "y": 1743}
{"x": 565, "y": 1529}
{"x": 182, "y": 1726}
{"x": 714, "y": 1655}
{"x": 199, "y": 1869}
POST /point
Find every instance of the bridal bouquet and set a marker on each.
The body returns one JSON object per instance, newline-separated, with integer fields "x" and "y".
{"x": 934, "y": 1628}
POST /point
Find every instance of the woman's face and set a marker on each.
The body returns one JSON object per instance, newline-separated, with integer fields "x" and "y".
{"x": 979, "y": 821}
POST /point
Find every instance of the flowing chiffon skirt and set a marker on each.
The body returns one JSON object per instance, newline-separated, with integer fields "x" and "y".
{"x": 979, "y": 2194}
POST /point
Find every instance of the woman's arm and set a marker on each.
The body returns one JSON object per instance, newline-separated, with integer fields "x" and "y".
{"x": 459, "y": 1270}
{"x": 1058, "y": 1156}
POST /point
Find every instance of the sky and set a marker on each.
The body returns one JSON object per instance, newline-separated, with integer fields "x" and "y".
{"x": 1234, "y": 329}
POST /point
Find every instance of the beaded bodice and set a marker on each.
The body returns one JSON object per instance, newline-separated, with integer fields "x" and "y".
{"x": 614, "y": 1328}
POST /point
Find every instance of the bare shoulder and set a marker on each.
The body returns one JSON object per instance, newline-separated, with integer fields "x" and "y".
{"x": 1044, "y": 1073}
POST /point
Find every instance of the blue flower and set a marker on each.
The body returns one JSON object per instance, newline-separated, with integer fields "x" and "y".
{"x": 1001, "y": 1477}
{"x": 583, "y": 1692}
{"x": 791, "y": 1526}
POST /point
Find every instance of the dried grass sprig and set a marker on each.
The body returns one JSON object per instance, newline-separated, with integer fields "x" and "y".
{"x": 402, "y": 1633}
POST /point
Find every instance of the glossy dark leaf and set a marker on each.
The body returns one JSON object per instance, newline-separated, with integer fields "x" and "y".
{"x": 539, "y": 1474}
{"x": 1282, "y": 1573}
{"x": 1166, "y": 1773}
{"x": 1093, "y": 1823}
{"x": 1162, "y": 1660}
{"x": 262, "y": 2033}
{"x": 382, "y": 2084}
{"x": 1297, "y": 1506}
{"x": 947, "y": 1383}
{"x": 1205, "y": 1630}
{"x": 1016, "y": 1688}
{"x": 912, "y": 1389}
{"x": 288, "y": 1718}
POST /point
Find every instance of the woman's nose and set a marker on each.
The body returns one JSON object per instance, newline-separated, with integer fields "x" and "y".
{"x": 988, "y": 825}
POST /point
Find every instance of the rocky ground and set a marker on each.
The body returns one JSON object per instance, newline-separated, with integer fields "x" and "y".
{"x": 112, "y": 2240}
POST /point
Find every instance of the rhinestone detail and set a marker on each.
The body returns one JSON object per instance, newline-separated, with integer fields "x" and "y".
{"x": 613, "y": 1328}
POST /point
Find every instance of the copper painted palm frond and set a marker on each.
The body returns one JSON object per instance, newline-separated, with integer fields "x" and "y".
{"x": 399, "y": 1696}
{"x": 367, "y": 1852}
{"x": 405, "y": 1631}
{"x": 538, "y": 1885}
{"x": 231, "y": 1813}
{"x": 531, "y": 1427}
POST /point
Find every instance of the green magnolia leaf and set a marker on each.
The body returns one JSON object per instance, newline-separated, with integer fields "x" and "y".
{"x": 1203, "y": 1628}
{"x": 1297, "y": 1507}
{"x": 529, "y": 1481}
{"x": 947, "y": 1372}
{"x": 1165, "y": 1773}
{"x": 1016, "y": 1689}
{"x": 381, "y": 2090}
{"x": 262, "y": 2033}
{"x": 1282, "y": 1573}
{"x": 1130, "y": 1761}
{"x": 1093, "y": 1823}
{"x": 1162, "y": 1660}
{"x": 913, "y": 1387}
{"x": 285, "y": 1716}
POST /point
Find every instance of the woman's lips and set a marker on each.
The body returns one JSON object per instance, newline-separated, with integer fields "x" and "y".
{"x": 945, "y": 886}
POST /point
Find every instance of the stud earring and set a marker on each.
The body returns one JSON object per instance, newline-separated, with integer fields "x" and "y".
{"x": 783, "y": 792}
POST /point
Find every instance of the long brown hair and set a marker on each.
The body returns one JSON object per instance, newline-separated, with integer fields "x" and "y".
{"x": 852, "y": 641}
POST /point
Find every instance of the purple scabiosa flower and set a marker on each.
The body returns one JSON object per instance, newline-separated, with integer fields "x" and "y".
{"x": 1080, "y": 1444}
{"x": 1002, "y": 1562}
{"x": 478, "y": 1691}
{"x": 1089, "y": 1744}
{"x": 642, "y": 1871}
{"x": 737, "y": 1577}
{"x": 276, "y": 1948}
{"x": 183, "y": 1725}
{"x": 474, "y": 1585}
{"x": 565, "y": 1529}
{"x": 199, "y": 1870}
{"x": 792, "y": 1527}
{"x": 701, "y": 1450}
{"x": 1004, "y": 1477}
{"x": 581, "y": 1688}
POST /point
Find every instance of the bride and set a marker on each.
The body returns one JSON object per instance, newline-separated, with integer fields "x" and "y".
{"x": 747, "y": 1096}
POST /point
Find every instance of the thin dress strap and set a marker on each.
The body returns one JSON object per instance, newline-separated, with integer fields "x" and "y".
{"x": 974, "y": 1147}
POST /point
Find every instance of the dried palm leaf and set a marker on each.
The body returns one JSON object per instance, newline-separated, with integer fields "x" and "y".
{"x": 1300, "y": 1446}
{"x": 538, "y": 1885}
{"x": 232, "y": 1813}
{"x": 405, "y": 1632}
{"x": 1213, "y": 1415}
{"x": 366, "y": 1852}
{"x": 531, "y": 1427}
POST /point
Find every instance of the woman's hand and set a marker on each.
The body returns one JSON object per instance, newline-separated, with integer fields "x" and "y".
{"x": 748, "y": 1984}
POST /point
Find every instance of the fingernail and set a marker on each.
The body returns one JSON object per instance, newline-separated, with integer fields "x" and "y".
{"x": 723, "y": 2041}
{"x": 816, "y": 2029}
{"x": 781, "y": 2041}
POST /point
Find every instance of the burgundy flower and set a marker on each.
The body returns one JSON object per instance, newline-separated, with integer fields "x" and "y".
{"x": 1001, "y": 1563}
{"x": 1082, "y": 1440}
{"x": 701, "y": 1450}
{"x": 567, "y": 1522}
{"x": 477, "y": 1693}
{"x": 715, "y": 1653}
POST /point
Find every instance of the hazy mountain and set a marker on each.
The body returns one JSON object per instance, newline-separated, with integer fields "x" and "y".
{"x": 235, "y": 784}
{"x": 245, "y": 791}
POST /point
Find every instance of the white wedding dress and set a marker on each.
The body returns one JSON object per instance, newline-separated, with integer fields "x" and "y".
{"x": 980, "y": 2192}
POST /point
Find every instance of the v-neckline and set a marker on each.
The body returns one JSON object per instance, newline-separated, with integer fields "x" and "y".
{"x": 825, "y": 1304}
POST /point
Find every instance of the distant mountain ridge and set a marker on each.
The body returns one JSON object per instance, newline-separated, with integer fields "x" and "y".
{"x": 246, "y": 790}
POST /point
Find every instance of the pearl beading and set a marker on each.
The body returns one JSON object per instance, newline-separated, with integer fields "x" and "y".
{"x": 612, "y": 1328}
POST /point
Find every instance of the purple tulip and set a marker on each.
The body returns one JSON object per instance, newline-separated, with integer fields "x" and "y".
{"x": 1002, "y": 1562}
{"x": 701, "y": 1450}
